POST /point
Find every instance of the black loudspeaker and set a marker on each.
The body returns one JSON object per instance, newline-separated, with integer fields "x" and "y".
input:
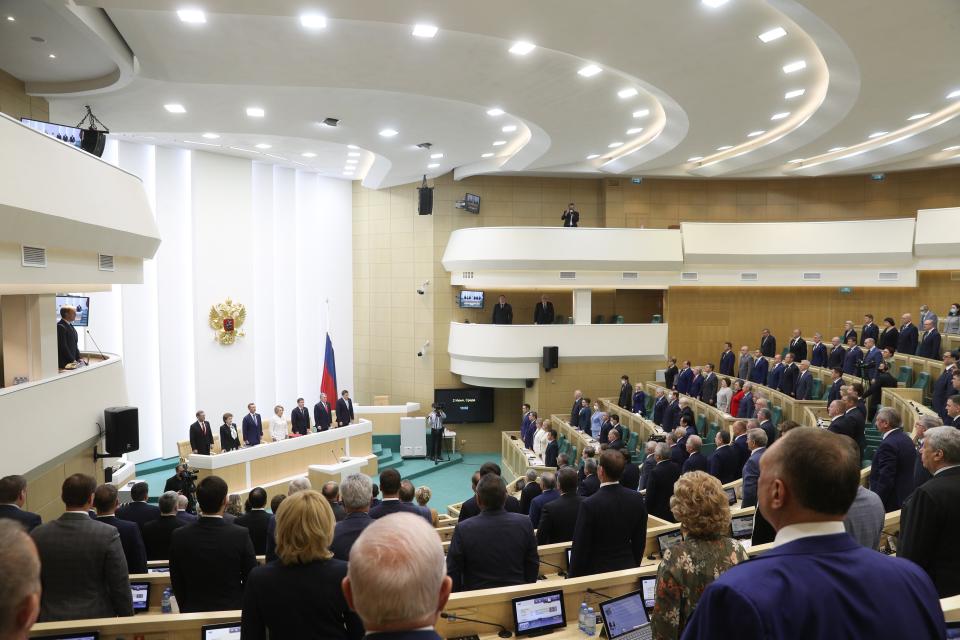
{"x": 93, "y": 141}
{"x": 551, "y": 358}
{"x": 426, "y": 201}
{"x": 122, "y": 427}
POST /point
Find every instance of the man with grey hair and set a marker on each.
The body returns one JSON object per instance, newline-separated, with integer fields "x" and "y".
{"x": 648, "y": 462}
{"x": 19, "y": 581}
{"x": 397, "y": 580}
{"x": 923, "y": 424}
{"x": 696, "y": 461}
{"x": 660, "y": 483}
{"x": 157, "y": 534}
{"x": 757, "y": 443}
{"x": 548, "y": 482}
{"x": 930, "y": 519}
{"x": 530, "y": 491}
{"x": 590, "y": 483}
{"x": 764, "y": 419}
{"x": 747, "y": 407}
{"x": 745, "y": 368}
{"x": 891, "y": 473}
{"x": 355, "y": 494}
{"x": 183, "y": 515}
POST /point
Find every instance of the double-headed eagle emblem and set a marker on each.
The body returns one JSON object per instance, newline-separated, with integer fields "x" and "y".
{"x": 226, "y": 319}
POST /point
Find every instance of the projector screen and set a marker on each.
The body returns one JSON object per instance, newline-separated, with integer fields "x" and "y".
{"x": 474, "y": 404}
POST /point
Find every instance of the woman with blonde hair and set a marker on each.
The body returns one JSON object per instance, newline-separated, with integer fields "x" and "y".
{"x": 298, "y": 595}
{"x": 278, "y": 424}
{"x": 688, "y": 567}
{"x": 423, "y": 496}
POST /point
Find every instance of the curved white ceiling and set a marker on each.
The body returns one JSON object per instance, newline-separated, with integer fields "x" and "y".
{"x": 701, "y": 74}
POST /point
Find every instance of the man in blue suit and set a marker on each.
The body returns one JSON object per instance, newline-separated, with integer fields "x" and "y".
{"x": 745, "y": 410}
{"x": 835, "y": 384}
{"x": 765, "y": 423}
{"x": 757, "y": 442}
{"x": 909, "y": 335}
{"x": 724, "y": 464}
{"x": 760, "y": 368}
{"x": 872, "y": 358}
{"x": 740, "y": 444}
{"x": 13, "y": 495}
{"x": 660, "y": 484}
{"x": 891, "y": 474}
{"x": 804, "y": 382}
{"x": 727, "y": 359}
{"x": 677, "y": 442}
{"x": 943, "y": 386}
{"x": 548, "y": 481}
{"x": 776, "y": 372}
{"x": 818, "y": 355}
{"x": 671, "y": 415}
{"x": 929, "y": 346}
{"x": 697, "y": 383}
{"x": 853, "y": 356}
{"x": 252, "y": 426}
{"x": 817, "y": 581}
{"x": 684, "y": 378}
{"x": 869, "y": 330}
{"x": 139, "y": 511}
{"x": 105, "y": 502}
{"x": 659, "y": 406}
{"x": 355, "y": 493}
{"x": 696, "y": 461}
{"x": 768, "y": 343}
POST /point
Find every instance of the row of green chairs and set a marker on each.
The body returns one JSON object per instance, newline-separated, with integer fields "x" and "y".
{"x": 615, "y": 319}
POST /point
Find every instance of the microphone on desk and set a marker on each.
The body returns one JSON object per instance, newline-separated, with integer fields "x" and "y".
{"x": 102, "y": 357}
{"x": 562, "y": 572}
{"x": 503, "y": 633}
{"x": 597, "y": 593}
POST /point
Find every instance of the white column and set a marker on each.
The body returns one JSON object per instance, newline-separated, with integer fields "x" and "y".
{"x": 581, "y": 306}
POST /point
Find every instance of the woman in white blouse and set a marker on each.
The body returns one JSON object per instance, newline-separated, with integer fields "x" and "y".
{"x": 540, "y": 438}
{"x": 278, "y": 425}
{"x": 724, "y": 395}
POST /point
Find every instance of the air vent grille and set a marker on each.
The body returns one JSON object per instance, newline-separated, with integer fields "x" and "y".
{"x": 888, "y": 276}
{"x": 812, "y": 275}
{"x": 106, "y": 262}
{"x": 630, "y": 275}
{"x": 33, "y": 256}
{"x": 689, "y": 276}
{"x": 467, "y": 275}
{"x": 568, "y": 275}
{"x": 749, "y": 276}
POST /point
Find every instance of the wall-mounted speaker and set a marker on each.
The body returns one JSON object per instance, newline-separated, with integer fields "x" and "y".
{"x": 529, "y": 383}
{"x": 425, "y": 207}
{"x": 551, "y": 358}
{"x": 93, "y": 141}
{"x": 122, "y": 430}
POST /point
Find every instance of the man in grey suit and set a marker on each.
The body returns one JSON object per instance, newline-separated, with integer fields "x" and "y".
{"x": 745, "y": 369}
{"x": 83, "y": 569}
{"x": 864, "y": 519}
{"x": 757, "y": 443}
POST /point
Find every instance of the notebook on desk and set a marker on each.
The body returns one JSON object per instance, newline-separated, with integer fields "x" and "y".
{"x": 625, "y": 618}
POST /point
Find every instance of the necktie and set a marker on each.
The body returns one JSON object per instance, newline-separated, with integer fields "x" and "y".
{"x": 203, "y": 428}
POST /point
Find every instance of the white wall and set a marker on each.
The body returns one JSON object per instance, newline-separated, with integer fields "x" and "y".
{"x": 276, "y": 240}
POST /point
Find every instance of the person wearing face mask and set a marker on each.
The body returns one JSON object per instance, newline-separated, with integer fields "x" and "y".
{"x": 951, "y": 324}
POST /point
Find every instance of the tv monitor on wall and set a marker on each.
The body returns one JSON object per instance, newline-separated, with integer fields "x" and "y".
{"x": 68, "y": 134}
{"x": 471, "y": 299}
{"x": 82, "y": 303}
{"x": 471, "y": 203}
{"x": 474, "y": 404}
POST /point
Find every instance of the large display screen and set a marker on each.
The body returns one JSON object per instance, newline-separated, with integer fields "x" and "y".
{"x": 471, "y": 203}
{"x": 474, "y": 404}
{"x": 70, "y": 135}
{"x": 82, "y": 304}
{"x": 471, "y": 299}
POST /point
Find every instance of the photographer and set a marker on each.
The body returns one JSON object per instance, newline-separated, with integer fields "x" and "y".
{"x": 570, "y": 217}
{"x": 184, "y": 482}
{"x": 435, "y": 421}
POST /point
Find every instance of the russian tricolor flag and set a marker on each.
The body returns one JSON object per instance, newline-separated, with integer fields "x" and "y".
{"x": 328, "y": 383}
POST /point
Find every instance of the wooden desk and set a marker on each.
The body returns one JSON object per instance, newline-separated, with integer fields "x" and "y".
{"x": 517, "y": 459}
{"x": 577, "y": 438}
{"x": 709, "y": 413}
{"x": 641, "y": 426}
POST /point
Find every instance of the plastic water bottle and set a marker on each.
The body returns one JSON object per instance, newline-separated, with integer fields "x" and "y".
{"x": 165, "y": 601}
{"x": 591, "y": 626}
{"x": 583, "y": 617}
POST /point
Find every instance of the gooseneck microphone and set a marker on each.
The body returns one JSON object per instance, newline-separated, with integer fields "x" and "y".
{"x": 562, "y": 572}
{"x": 102, "y": 357}
{"x": 503, "y": 633}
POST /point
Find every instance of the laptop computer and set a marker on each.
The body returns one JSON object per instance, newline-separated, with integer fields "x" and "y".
{"x": 625, "y": 618}
{"x": 140, "y": 591}
{"x": 537, "y": 614}
{"x": 741, "y": 529}
{"x": 667, "y": 540}
{"x": 227, "y": 631}
{"x": 731, "y": 495}
{"x": 649, "y": 588}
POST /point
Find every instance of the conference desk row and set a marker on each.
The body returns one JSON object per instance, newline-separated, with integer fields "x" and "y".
{"x": 710, "y": 413}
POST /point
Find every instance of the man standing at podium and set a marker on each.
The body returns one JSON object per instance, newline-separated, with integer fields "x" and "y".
{"x": 252, "y": 426}
{"x": 435, "y": 421}
{"x": 67, "y": 350}
{"x": 300, "y": 418}
{"x": 201, "y": 438}
{"x": 321, "y": 413}
{"x": 344, "y": 409}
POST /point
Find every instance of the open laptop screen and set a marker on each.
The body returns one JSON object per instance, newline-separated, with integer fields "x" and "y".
{"x": 731, "y": 495}
{"x": 649, "y": 588}
{"x": 228, "y": 631}
{"x": 667, "y": 540}
{"x": 624, "y": 615}
{"x": 538, "y": 613}
{"x": 742, "y": 527}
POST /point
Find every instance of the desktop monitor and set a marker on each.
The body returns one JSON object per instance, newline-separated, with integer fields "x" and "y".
{"x": 626, "y": 617}
{"x": 86, "y": 635}
{"x": 141, "y": 596}
{"x": 667, "y": 540}
{"x": 471, "y": 203}
{"x": 539, "y": 613}
{"x": 227, "y": 631}
{"x": 649, "y": 588}
{"x": 742, "y": 527}
{"x": 731, "y": 495}
{"x": 470, "y": 299}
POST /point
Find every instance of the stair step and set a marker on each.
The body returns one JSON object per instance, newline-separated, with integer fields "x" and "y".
{"x": 377, "y": 449}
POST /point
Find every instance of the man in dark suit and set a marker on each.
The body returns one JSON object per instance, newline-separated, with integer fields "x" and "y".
{"x": 696, "y": 385}
{"x": 321, "y": 414}
{"x": 531, "y": 489}
{"x": 788, "y": 382}
{"x": 684, "y": 378}
{"x": 83, "y": 570}
{"x": 909, "y": 335}
{"x": 740, "y": 444}
{"x": 548, "y": 481}
{"x": 474, "y": 563}
{"x": 708, "y": 392}
{"x": 761, "y": 367}
{"x": 798, "y": 346}
{"x": 139, "y": 511}
{"x": 943, "y": 385}
{"x": 837, "y": 355}
{"x": 502, "y": 312}
{"x": 344, "y": 409}
{"x": 891, "y": 473}
{"x": 768, "y": 344}
{"x": 355, "y": 493}
{"x": 671, "y": 415}
{"x": 300, "y": 418}
{"x": 746, "y": 408}
{"x": 648, "y": 463}
{"x": 836, "y": 376}
{"x": 570, "y": 216}
{"x": 776, "y": 372}
{"x": 953, "y": 411}
{"x": 157, "y": 534}
{"x": 201, "y": 436}
{"x": 630, "y": 478}
{"x": 724, "y": 464}
{"x": 183, "y": 515}
{"x": 874, "y": 393}
{"x": 67, "y": 350}
{"x": 558, "y": 518}
{"x": 552, "y": 451}
{"x": 670, "y": 373}
{"x": 757, "y": 442}
{"x": 256, "y": 519}
{"x": 818, "y": 355}
{"x": 889, "y": 336}
{"x": 817, "y": 566}
{"x": 696, "y": 461}
{"x": 390, "y": 488}
{"x": 543, "y": 312}
{"x": 852, "y": 358}
{"x": 764, "y": 419}
{"x": 252, "y": 426}
{"x": 105, "y": 502}
{"x": 583, "y": 416}
{"x": 575, "y": 409}
{"x": 591, "y": 482}
{"x": 804, "y": 382}
{"x": 871, "y": 358}
{"x": 660, "y": 484}
{"x": 331, "y": 491}
{"x": 614, "y": 441}
{"x": 677, "y": 443}
{"x": 727, "y": 359}
{"x": 930, "y": 519}
{"x": 849, "y": 333}
{"x": 210, "y": 559}
{"x": 869, "y": 330}
{"x": 929, "y": 346}
{"x": 625, "y": 399}
{"x": 611, "y": 529}
{"x": 659, "y": 406}
{"x": 13, "y": 495}
{"x": 851, "y": 422}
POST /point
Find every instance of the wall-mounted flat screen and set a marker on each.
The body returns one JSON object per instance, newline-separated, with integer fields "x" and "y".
{"x": 70, "y": 135}
{"x": 474, "y": 404}
{"x": 82, "y": 304}
{"x": 471, "y": 299}
{"x": 471, "y": 203}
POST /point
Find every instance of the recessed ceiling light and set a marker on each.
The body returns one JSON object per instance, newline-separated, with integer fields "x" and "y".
{"x": 725, "y": 147}
{"x": 795, "y": 160}
{"x": 499, "y": 143}
{"x": 627, "y": 93}
{"x": 917, "y": 116}
{"x": 273, "y": 155}
{"x": 780, "y": 116}
{"x": 433, "y": 165}
{"x": 592, "y": 156}
{"x": 796, "y": 93}
{"x": 496, "y": 111}
{"x": 388, "y": 133}
{"x": 835, "y": 149}
{"x": 510, "y": 128}
{"x": 614, "y": 145}
{"x": 713, "y": 4}
{"x": 11, "y": 19}
{"x": 953, "y": 148}
{"x": 436, "y": 156}
{"x": 642, "y": 113}
{"x": 244, "y": 150}
{"x": 352, "y": 161}
{"x": 522, "y": 48}
{"x": 634, "y": 131}
{"x": 754, "y": 134}
{"x": 352, "y": 146}
{"x": 773, "y": 34}
{"x": 793, "y": 67}
{"x": 354, "y": 154}
{"x": 424, "y": 30}
{"x": 174, "y": 108}
{"x": 877, "y": 134}
{"x": 487, "y": 155}
{"x": 950, "y": 96}
{"x": 313, "y": 21}
{"x": 309, "y": 154}
{"x": 589, "y": 71}
{"x": 262, "y": 145}
{"x": 255, "y": 112}
{"x": 206, "y": 144}
{"x": 695, "y": 159}
{"x": 52, "y": 56}
{"x": 211, "y": 136}
{"x": 192, "y": 16}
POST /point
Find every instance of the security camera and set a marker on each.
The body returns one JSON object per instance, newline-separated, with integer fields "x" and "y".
{"x": 422, "y": 289}
{"x": 423, "y": 349}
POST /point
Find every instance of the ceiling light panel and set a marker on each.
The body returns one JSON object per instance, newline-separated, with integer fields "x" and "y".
{"x": 255, "y": 112}
{"x": 725, "y": 147}
{"x": 953, "y": 94}
{"x": 309, "y": 154}
{"x": 713, "y": 4}
{"x": 754, "y": 134}
{"x": 796, "y": 93}
{"x": 522, "y": 48}
{"x": 780, "y": 116}
{"x": 211, "y": 136}
{"x": 388, "y": 133}
{"x": 634, "y": 131}
{"x": 436, "y": 156}
{"x": 313, "y": 21}
{"x": 917, "y": 116}
{"x": 592, "y": 156}
{"x": 614, "y": 145}
{"x": 192, "y": 16}
{"x": 589, "y": 71}
{"x": 877, "y": 134}
{"x": 175, "y": 108}
{"x": 695, "y": 159}
{"x": 424, "y": 30}
{"x": 486, "y": 155}
{"x": 499, "y": 143}
{"x": 262, "y": 145}
{"x": 495, "y": 112}
{"x": 773, "y": 34}
{"x": 433, "y": 165}
{"x": 793, "y": 67}
{"x": 627, "y": 93}
{"x": 642, "y": 113}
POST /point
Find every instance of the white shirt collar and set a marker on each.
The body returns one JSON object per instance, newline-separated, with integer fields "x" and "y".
{"x": 937, "y": 472}
{"x": 390, "y": 500}
{"x": 757, "y": 449}
{"x": 605, "y": 484}
{"x": 886, "y": 433}
{"x": 807, "y": 530}
{"x": 10, "y": 504}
